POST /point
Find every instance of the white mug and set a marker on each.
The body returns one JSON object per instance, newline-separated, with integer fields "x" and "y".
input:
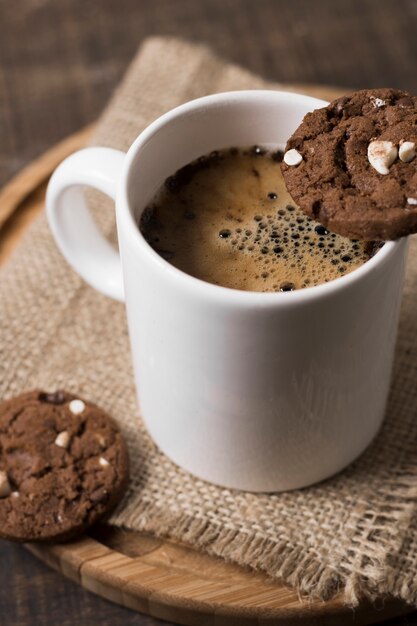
{"x": 254, "y": 391}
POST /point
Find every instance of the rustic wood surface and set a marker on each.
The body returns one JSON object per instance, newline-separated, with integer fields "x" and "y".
{"x": 59, "y": 62}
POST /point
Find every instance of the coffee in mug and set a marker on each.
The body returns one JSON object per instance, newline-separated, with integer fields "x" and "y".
{"x": 228, "y": 219}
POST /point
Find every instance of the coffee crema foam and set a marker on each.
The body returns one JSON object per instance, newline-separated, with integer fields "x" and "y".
{"x": 228, "y": 219}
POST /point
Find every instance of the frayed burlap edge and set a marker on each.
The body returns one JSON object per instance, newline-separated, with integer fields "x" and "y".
{"x": 295, "y": 566}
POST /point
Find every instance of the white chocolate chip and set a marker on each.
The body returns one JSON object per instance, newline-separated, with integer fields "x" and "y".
{"x": 292, "y": 157}
{"x": 412, "y": 201}
{"x": 15, "y": 494}
{"x": 381, "y": 155}
{"x": 5, "y": 489}
{"x": 62, "y": 440}
{"x": 407, "y": 151}
{"x": 101, "y": 440}
{"x": 76, "y": 406}
{"x": 378, "y": 102}
{"x": 103, "y": 462}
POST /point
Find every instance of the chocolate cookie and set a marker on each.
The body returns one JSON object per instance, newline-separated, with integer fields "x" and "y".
{"x": 63, "y": 465}
{"x": 352, "y": 165}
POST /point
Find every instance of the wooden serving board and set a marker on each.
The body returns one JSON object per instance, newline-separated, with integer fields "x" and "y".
{"x": 150, "y": 575}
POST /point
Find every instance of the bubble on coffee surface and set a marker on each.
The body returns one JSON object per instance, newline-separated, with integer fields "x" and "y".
{"x": 219, "y": 221}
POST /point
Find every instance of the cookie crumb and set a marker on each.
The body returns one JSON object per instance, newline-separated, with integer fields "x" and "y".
{"x": 5, "y": 489}
{"x": 76, "y": 406}
{"x": 381, "y": 155}
{"x": 103, "y": 462}
{"x": 407, "y": 151}
{"x": 62, "y": 440}
{"x": 292, "y": 157}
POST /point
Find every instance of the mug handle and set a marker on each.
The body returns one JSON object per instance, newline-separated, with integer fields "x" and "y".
{"x": 72, "y": 224}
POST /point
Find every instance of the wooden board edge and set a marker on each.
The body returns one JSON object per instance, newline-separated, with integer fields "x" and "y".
{"x": 29, "y": 178}
{"x": 124, "y": 580}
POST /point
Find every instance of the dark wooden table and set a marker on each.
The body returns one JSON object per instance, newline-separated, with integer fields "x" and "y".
{"x": 59, "y": 63}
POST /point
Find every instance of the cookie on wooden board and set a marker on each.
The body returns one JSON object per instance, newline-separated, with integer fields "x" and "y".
{"x": 352, "y": 165}
{"x": 63, "y": 465}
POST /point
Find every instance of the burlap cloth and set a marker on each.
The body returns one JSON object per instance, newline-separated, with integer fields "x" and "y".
{"x": 356, "y": 532}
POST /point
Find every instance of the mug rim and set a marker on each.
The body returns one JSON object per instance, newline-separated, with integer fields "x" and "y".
{"x": 210, "y": 290}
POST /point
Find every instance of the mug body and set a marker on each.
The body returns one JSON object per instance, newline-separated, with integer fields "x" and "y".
{"x": 254, "y": 391}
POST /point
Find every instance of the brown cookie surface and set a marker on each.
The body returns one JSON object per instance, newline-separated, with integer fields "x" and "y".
{"x": 63, "y": 465}
{"x": 353, "y": 166}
